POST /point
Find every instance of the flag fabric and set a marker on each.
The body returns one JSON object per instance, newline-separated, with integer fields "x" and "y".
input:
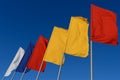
{"x": 103, "y": 26}
{"x": 15, "y": 62}
{"x": 56, "y": 46}
{"x": 37, "y": 55}
{"x": 25, "y": 58}
{"x": 73, "y": 41}
{"x": 78, "y": 43}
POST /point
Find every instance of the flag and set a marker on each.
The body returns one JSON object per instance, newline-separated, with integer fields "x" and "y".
{"x": 103, "y": 26}
{"x": 25, "y": 58}
{"x": 15, "y": 62}
{"x": 37, "y": 56}
{"x": 56, "y": 46}
{"x": 73, "y": 41}
{"x": 77, "y": 43}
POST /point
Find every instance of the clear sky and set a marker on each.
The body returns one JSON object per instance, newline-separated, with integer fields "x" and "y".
{"x": 22, "y": 21}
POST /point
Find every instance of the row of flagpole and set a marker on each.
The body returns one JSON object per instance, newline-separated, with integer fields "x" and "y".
{"x": 60, "y": 68}
{"x": 113, "y": 42}
{"x": 91, "y": 64}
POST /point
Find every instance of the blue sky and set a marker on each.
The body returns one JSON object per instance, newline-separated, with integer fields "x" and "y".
{"x": 22, "y": 21}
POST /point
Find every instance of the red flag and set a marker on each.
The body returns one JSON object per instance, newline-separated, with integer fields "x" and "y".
{"x": 38, "y": 54}
{"x": 103, "y": 26}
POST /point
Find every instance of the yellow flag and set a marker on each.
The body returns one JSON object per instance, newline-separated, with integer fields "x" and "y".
{"x": 73, "y": 41}
{"x": 77, "y": 43}
{"x": 56, "y": 46}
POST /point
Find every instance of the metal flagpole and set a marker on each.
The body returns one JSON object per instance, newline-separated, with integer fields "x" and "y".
{"x": 58, "y": 72}
{"x": 13, "y": 76}
{"x": 21, "y": 78}
{"x": 91, "y": 56}
{"x": 42, "y": 65}
{"x": 39, "y": 70}
{"x": 3, "y": 78}
{"x": 60, "y": 68}
{"x": 91, "y": 61}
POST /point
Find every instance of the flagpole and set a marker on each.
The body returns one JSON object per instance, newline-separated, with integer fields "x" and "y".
{"x": 39, "y": 70}
{"x": 3, "y": 78}
{"x": 91, "y": 61}
{"x": 21, "y": 78}
{"x": 58, "y": 78}
{"x": 60, "y": 68}
{"x": 13, "y": 76}
{"x": 42, "y": 65}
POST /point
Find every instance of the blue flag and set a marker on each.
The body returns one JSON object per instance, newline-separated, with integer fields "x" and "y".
{"x": 25, "y": 59}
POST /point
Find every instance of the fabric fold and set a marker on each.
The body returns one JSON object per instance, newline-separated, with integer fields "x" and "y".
{"x": 36, "y": 58}
{"x": 17, "y": 59}
{"x": 25, "y": 59}
{"x": 103, "y": 27}
{"x": 72, "y": 41}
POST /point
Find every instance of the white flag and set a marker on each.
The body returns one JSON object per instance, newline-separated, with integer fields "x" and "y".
{"x": 15, "y": 62}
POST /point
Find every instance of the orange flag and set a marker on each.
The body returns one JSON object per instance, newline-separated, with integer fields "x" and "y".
{"x": 38, "y": 54}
